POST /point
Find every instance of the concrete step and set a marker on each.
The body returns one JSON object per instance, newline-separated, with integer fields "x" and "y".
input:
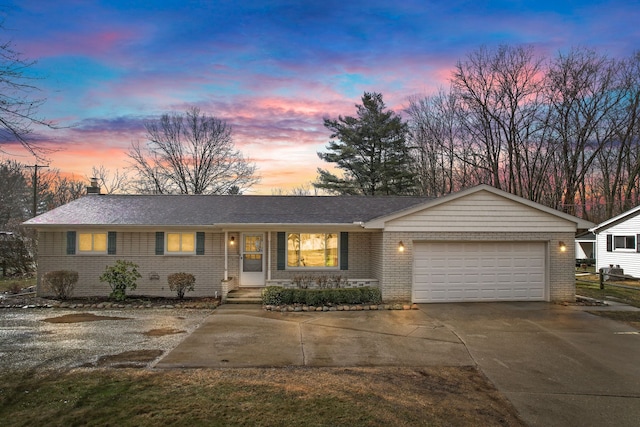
{"x": 245, "y": 296}
{"x": 244, "y": 301}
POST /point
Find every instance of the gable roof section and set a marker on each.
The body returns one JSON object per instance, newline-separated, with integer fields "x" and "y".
{"x": 382, "y": 221}
{"x": 199, "y": 210}
{"x": 616, "y": 220}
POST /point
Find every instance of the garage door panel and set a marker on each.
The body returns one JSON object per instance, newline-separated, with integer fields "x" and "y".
{"x": 479, "y": 271}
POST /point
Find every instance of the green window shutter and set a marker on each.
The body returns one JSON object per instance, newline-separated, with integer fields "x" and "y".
{"x": 111, "y": 243}
{"x": 200, "y": 243}
{"x": 281, "y": 250}
{"x": 609, "y": 243}
{"x": 71, "y": 242}
{"x": 159, "y": 242}
{"x": 344, "y": 251}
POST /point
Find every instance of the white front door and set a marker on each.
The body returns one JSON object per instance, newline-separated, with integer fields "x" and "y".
{"x": 252, "y": 270}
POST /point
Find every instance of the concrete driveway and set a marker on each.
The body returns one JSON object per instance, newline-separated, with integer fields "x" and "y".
{"x": 246, "y": 336}
{"x": 558, "y": 365}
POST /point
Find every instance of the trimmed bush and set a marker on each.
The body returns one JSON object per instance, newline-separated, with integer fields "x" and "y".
{"x": 60, "y": 282}
{"x": 277, "y": 295}
{"x": 121, "y": 276}
{"x": 181, "y": 283}
{"x": 272, "y": 295}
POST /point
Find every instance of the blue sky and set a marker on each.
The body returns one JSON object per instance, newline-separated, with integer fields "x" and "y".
{"x": 272, "y": 69}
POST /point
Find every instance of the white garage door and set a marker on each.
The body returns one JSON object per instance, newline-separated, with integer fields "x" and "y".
{"x": 479, "y": 271}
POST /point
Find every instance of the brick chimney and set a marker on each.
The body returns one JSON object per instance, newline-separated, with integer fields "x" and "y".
{"x": 94, "y": 188}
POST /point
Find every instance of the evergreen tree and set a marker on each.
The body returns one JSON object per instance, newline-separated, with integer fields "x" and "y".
{"x": 372, "y": 151}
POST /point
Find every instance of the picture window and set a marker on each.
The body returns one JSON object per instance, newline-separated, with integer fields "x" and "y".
{"x": 312, "y": 250}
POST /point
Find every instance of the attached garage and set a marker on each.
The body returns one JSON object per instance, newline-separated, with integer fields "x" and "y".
{"x": 480, "y": 244}
{"x": 479, "y": 271}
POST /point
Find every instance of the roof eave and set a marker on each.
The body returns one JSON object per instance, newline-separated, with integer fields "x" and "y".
{"x": 615, "y": 220}
{"x": 220, "y": 226}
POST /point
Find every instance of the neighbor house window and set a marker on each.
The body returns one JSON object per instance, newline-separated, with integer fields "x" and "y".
{"x": 181, "y": 243}
{"x": 92, "y": 242}
{"x": 624, "y": 242}
{"x": 312, "y": 250}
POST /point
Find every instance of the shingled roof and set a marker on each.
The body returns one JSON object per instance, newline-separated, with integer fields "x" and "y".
{"x": 198, "y": 210}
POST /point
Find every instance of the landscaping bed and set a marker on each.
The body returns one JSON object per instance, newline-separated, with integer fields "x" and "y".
{"x": 339, "y": 307}
{"x": 132, "y": 302}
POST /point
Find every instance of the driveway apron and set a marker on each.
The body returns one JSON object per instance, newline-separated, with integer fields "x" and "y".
{"x": 558, "y": 365}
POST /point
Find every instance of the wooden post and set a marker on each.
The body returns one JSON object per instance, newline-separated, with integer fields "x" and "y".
{"x": 601, "y": 278}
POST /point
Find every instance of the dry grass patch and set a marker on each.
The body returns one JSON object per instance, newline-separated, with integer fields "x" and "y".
{"x": 451, "y": 396}
{"x": 162, "y": 332}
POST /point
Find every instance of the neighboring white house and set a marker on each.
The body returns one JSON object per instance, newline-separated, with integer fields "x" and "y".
{"x": 618, "y": 242}
{"x": 585, "y": 247}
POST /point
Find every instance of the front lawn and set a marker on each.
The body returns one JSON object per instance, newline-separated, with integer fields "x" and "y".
{"x": 259, "y": 397}
{"x": 592, "y": 290}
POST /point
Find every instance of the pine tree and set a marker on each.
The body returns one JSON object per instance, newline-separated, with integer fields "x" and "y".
{"x": 372, "y": 151}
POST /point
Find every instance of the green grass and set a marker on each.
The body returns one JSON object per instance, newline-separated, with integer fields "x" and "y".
{"x": 592, "y": 290}
{"x": 10, "y": 284}
{"x": 257, "y": 397}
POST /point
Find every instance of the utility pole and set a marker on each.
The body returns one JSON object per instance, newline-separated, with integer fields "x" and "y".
{"x": 35, "y": 186}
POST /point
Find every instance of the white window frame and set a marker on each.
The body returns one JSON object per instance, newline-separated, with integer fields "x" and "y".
{"x": 325, "y": 267}
{"x": 625, "y": 237}
{"x": 92, "y": 250}
{"x": 180, "y": 252}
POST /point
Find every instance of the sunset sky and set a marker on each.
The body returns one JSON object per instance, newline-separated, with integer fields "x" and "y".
{"x": 272, "y": 69}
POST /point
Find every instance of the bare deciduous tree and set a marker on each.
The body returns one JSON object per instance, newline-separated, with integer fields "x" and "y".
{"x": 582, "y": 93}
{"x": 110, "y": 182}
{"x": 190, "y": 154}
{"x": 563, "y": 132}
{"x": 55, "y": 189}
{"x": 19, "y": 103}
{"x": 618, "y": 162}
{"x": 435, "y": 140}
{"x": 302, "y": 190}
{"x": 501, "y": 95}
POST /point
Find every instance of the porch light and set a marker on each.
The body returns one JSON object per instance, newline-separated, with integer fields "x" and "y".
{"x": 232, "y": 240}
{"x": 400, "y": 246}
{"x": 563, "y": 247}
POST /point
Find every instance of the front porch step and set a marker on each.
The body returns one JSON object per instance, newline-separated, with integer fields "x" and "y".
{"x": 245, "y": 296}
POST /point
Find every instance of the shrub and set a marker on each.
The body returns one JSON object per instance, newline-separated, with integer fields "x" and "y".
{"x": 120, "y": 277}
{"x": 15, "y": 287}
{"x": 181, "y": 283}
{"x": 372, "y": 295}
{"x": 337, "y": 281}
{"x": 60, "y": 282}
{"x": 277, "y": 295}
{"x": 322, "y": 281}
{"x": 272, "y": 295}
